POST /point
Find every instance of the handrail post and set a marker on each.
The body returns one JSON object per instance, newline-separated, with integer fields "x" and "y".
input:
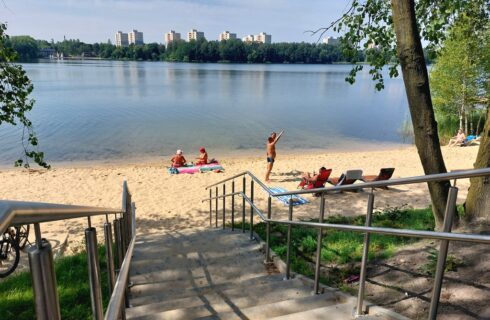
{"x": 44, "y": 279}
{"x": 133, "y": 220}
{"x": 365, "y": 256}
{"x": 216, "y": 208}
{"x": 244, "y": 190}
{"x": 316, "y": 288}
{"x": 109, "y": 255}
{"x": 94, "y": 273}
{"x": 122, "y": 233}
{"x": 119, "y": 245}
{"x": 441, "y": 259}
{"x": 288, "y": 253}
{"x": 268, "y": 231}
{"x": 210, "y": 207}
{"x": 233, "y": 205}
{"x": 252, "y": 210}
{"x": 224, "y": 205}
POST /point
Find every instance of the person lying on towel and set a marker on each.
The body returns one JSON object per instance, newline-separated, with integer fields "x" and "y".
{"x": 178, "y": 160}
{"x": 203, "y": 157}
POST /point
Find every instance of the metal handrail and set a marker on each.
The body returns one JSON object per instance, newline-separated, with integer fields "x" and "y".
{"x": 463, "y": 174}
{"x": 41, "y": 257}
{"x": 21, "y": 212}
{"x": 117, "y": 299}
{"x": 444, "y": 236}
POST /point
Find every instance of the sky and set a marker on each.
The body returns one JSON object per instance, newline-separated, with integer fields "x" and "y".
{"x": 98, "y": 20}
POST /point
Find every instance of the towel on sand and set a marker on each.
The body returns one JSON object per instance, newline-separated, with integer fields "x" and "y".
{"x": 198, "y": 168}
{"x": 297, "y": 200}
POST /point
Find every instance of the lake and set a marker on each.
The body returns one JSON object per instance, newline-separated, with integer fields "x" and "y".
{"x": 112, "y": 110}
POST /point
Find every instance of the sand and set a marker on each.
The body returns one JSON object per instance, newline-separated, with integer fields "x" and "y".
{"x": 173, "y": 202}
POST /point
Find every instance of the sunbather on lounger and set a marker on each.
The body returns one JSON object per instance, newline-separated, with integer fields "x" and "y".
{"x": 318, "y": 180}
{"x": 458, "y": 140}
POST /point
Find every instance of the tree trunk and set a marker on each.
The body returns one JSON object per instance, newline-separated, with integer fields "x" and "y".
{"x": 416, "y": 79}
{"x": 478, "y": 200}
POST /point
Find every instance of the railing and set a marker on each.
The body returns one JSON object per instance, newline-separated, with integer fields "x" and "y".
{"x": 444, "y": 236}
{"x": 41, "y": 254}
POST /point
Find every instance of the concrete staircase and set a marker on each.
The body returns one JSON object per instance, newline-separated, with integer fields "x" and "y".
{"x": 219, "y": 274}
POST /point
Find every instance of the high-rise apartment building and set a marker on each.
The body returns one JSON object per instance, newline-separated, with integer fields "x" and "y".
{"x": 263, "y": 37}
{"x": 226, "y": 35}
{"x": 171, "y": 36}
{"x": 332, "y": 41}
{"x": 195, "y": 35}
{"x": 135, "y": 37}
{"x": 121, "y": 39}
{"x": 249, "y": 38}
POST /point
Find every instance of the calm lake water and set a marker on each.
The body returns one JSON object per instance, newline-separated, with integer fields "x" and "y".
{"x": 110, "y": 110}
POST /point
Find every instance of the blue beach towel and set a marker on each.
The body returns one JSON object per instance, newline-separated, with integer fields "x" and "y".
{"x": 297, "y": 200}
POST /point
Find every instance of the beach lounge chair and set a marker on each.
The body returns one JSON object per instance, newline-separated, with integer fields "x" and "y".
{"x": 471, "y": 141}
{"x": 319, "y": 183}
{"x": 349, "y": 177}
{"x": 384, "y": 174}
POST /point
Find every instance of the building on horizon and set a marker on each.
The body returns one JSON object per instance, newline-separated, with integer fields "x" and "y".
{"x": 135, "y": 37}
{"x": 195, "y": 35}
{"x": 47, "y": 52}
{"x": 263, "y": 38}
{"x": 332, "y": 41}
{"x": 121, "y": 39}
{"x": 249, "y": 38}
{"x": 226, "y": 35}
{"x": 171, "y": 36}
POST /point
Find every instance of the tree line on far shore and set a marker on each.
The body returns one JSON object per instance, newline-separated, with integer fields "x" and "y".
{"x": 235, "y": 51}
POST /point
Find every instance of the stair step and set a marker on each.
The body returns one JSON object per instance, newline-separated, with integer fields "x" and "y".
{"x": 227, "y": 302}
{"x": 178, "y": 260}
{"x": 332, "y": 312}
{"x": 158, "y": 253}
{"x": 201, "y": 283}
{"x": 285, "y": 306}
{"x": 290, "y": 287}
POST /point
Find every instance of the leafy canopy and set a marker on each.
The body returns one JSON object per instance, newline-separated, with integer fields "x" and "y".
{"x": 15, "y": 88}
{"x": 369, "y": 24}
{"x": 459, "y": 77}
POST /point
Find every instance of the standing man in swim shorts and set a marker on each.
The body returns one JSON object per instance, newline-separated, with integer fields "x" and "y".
{"x": 271, "y": 152}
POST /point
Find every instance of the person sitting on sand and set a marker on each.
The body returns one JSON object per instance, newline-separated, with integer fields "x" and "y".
{"x": 203, "y": 157}
{"x": 178, "y": 160}
{"x": 458, "y": 140}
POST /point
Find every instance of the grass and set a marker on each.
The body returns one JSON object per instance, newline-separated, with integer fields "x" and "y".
{"x": 16, "y": 295}
{"x": 342, "y": 250}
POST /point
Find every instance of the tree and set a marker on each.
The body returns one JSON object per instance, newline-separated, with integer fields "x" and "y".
{"x": 396, "y": 28}
{"x": 15, "y": 88}
{"x": 477, "y": 203}
{"x": 25, "y": 46}
{"x": 457, "y": 80}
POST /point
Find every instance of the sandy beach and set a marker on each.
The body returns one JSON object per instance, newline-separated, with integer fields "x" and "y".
{"x": 173, "y": 202}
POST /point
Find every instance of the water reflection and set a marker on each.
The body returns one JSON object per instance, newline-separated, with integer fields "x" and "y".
{"x": 108, "y": 110}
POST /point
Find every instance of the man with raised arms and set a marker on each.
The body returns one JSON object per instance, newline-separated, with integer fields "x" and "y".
{"x": 271, "y": 152}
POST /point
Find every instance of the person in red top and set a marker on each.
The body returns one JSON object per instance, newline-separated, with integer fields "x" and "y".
{"x": 178, "y": 160}
{"x": 203, "y": 157}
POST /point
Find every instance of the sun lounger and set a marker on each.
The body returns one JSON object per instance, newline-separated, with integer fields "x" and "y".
{"x": 297, "y": 200}
{"x": 319, "y": 183}
{"x": 384, "y": 174}
{"x": 349, "y": 177}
